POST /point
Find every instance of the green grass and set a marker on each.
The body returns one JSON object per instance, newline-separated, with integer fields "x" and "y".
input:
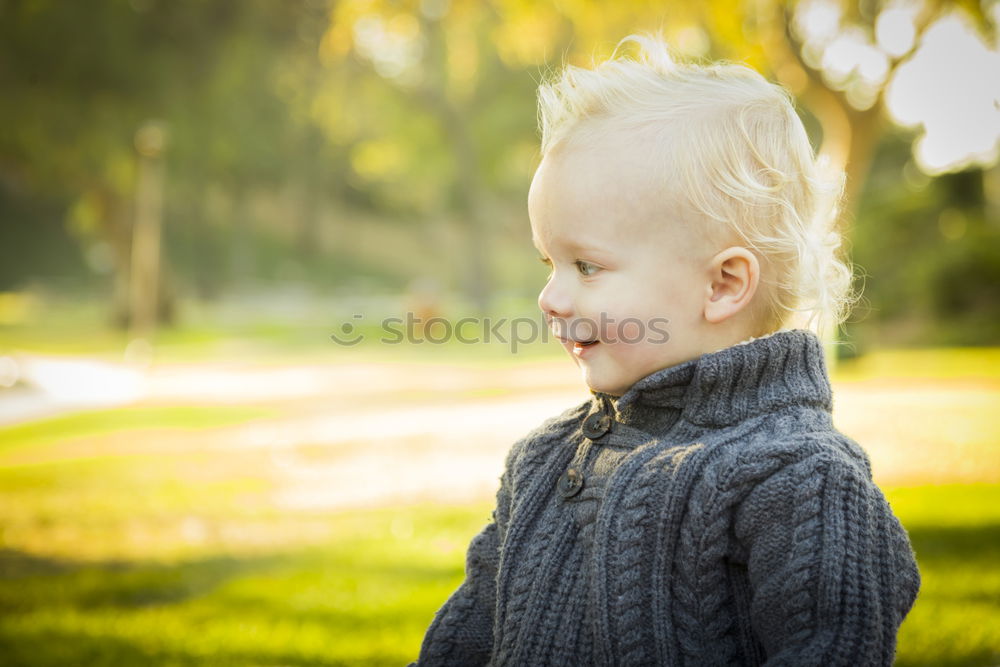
{"x": 366, "y": 596}
{"x": 104, "y": 422}
{"x": 363, "y": 598}
{"x": 955, "y": 531}
{"x": 941, "y": 363}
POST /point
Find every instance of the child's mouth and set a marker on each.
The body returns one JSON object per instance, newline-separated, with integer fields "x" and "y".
{"x": 579, "y": 347}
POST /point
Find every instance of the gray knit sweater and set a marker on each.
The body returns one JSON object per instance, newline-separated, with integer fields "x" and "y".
{"x": 712, "y": 515}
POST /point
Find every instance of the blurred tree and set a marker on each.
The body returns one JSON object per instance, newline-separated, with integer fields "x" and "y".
{"x": 932, "y": 250}
{"x": 454, "y": 62}
{"x": 86, "y": 76}
{"x": 840, "y": 57}
{"x": 294, "y": 125}
{"x": 420, "y": 128}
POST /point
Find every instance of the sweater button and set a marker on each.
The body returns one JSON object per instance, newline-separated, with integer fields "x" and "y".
{"x": 570, "y": 483}
{"x": 596, "y": 425}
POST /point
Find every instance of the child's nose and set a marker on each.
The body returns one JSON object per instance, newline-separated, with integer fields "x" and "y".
{"x": 554, "y": 301}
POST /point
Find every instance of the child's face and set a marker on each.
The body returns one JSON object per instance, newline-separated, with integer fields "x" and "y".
{"x": 625, "y": 273}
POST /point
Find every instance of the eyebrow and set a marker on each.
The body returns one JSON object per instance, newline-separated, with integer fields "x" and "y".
{"x": 573, "y": 246}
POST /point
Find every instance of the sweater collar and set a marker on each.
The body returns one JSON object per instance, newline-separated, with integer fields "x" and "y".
{"x": 721, "y": 388}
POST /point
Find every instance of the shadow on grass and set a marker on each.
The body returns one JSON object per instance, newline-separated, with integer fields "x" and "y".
{"x": 67, "y": 648}
{"x": 316, "y": 606}
{"x": 33, "y": 582}
{"x": 950, "y": 545}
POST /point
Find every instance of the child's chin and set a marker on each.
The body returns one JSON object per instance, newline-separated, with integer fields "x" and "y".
{"x": 604, "y": 385}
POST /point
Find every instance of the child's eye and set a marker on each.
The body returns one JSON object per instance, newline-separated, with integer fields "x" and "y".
{"x": 586, "y": 268}
{"x": 545, "y": 260}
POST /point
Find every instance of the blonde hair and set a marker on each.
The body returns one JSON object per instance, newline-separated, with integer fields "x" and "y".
{"x": 742, "y": 161}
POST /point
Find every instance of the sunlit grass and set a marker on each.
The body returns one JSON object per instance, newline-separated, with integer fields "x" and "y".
{"x": 944, "y": 363}
{"x": 104, "y": 422}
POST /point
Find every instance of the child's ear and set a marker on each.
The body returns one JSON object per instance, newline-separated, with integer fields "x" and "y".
{"x": 734, "y": 274}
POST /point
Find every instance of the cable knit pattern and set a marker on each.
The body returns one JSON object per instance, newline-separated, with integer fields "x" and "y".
{"x": 722, "y": 520}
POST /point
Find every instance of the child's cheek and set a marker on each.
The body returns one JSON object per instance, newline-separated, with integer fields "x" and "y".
{"x": 630, "y": 331}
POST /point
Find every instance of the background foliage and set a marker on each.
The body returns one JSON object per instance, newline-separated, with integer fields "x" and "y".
{"x": 362, "y": 145}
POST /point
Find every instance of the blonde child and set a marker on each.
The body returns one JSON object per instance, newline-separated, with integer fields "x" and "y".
{"x": 700, "y": 508}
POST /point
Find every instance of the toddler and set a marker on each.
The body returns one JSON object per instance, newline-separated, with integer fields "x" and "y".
{"x": 700, "y": 508}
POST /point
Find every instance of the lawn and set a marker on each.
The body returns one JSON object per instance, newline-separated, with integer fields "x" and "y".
{"x": 955, "y": 531}
{"x": 126, "y": 537}
{"x": 365, "y": 596}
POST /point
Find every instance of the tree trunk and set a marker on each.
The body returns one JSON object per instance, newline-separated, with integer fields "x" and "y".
{"x": 468, "y": 190}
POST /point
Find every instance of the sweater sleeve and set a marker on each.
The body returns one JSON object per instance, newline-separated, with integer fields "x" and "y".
{"x": 832, "y": 572}
{"x": 462, "y": 630}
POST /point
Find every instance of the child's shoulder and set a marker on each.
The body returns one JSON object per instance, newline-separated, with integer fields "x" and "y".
{"x": 817, "y": 445}
{"x": 795, "y": 458}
